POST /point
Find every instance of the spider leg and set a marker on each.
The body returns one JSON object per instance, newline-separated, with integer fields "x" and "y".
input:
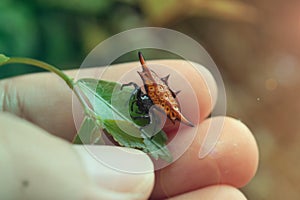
{"x": 129, "y": 84}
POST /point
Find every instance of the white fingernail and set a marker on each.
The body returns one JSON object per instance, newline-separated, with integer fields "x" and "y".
{"x": 121, "y": 171}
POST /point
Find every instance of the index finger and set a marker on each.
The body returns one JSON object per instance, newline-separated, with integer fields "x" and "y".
{"x": 45, "y": 100}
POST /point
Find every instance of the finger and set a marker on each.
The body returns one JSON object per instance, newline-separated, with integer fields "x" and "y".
{"x": 42, "y": 99}
{"x": 37, "y": 165}
{"x": 46, "y": 100}
{"x": 216, "y": 192}
{"x": 233, "y": 161}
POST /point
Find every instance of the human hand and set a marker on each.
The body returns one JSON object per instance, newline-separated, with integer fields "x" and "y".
{"x": 39, "y": 165}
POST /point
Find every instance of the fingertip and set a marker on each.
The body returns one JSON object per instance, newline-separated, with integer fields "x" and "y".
{"x": 216, "y": 192}
{"x": 232, "y": 161}
{"x": 236, "y": 153}
{"x": 44, "y": 166}
{"x": 117, "y": 170}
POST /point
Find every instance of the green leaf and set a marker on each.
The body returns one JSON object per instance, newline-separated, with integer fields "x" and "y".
{"x": 110, "y": 106}
{"x": 162, "y": 152}
{"x": 89, "y": 132}
{"x": 3, "y": 58}
{"x": 133, "y": 139}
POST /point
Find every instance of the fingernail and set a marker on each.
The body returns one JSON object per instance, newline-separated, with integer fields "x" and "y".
{"x": 122, "y": 172}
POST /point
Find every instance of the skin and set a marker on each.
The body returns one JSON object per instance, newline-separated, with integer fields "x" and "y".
{"x": 45, "y": 103}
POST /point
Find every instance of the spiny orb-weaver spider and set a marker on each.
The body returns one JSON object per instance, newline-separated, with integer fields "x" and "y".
{"x": 157, "y": 93}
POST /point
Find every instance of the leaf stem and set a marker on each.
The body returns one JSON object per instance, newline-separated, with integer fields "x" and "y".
{"x": 51, "y": 68}
{"x": 43, "y": 65}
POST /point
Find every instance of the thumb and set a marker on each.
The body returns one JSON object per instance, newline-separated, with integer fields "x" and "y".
{"x": 37, "y": 165}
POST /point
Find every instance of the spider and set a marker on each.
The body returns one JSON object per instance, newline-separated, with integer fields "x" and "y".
{"x": 158, "y": 94}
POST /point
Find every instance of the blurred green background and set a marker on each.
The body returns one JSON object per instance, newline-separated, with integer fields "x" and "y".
{"x": 256, "y": 45}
